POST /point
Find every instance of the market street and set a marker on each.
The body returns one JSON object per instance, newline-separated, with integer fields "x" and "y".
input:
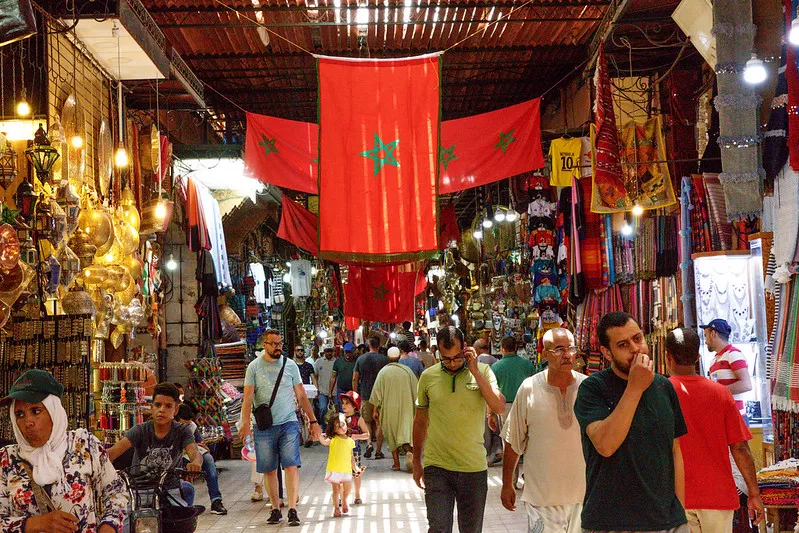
{"x": 391, "y": 501}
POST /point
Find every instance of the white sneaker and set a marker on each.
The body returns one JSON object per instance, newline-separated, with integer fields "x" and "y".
{"x": 408, "y": 462}
{"x": 256, "y": 496}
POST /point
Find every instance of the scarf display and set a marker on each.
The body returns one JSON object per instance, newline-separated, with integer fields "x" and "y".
{"x": 720, "y": 228}
{"x": 775, "y": 138}
{"x": 701, "y": 240}
{"x": 686, "y": 263}
{"x": 47, "y": 460}
{"x": 786, "y": 215}
{"x": 792, "y": 79}
{"x": 591, "y": 243}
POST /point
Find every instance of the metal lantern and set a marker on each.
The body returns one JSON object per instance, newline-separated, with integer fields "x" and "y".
{"x": 41, "y": 155}
{"x": 26, "y": 200}
{"x": 44, "y": 222}
{"x": 28, "y": 252}
{"x": 8, "y": 165}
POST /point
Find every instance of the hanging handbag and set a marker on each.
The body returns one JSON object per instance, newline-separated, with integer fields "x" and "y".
{"x": 263, "y": 413}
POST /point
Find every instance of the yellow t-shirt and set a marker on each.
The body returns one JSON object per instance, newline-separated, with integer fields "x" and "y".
{"x": 565, "y": 154}
{"x": 456, "y": 413}
{"x": 339, "y": 459}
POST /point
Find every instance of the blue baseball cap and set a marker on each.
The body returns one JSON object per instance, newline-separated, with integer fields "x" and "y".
{"x": 718, "y": 324}
{"x": 349, "y": 347}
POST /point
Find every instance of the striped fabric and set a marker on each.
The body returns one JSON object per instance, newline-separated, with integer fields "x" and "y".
{"x": 724, "y": 366}
{"x": 720, "y": 228}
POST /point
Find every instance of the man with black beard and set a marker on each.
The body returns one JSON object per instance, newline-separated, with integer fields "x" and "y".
{"x": 630, "y": 422}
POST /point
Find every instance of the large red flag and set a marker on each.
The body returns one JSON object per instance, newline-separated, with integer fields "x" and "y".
{"x": 282, "y": 152}
{"x": 299, "y": 226}
{"x": 381, "y": 294}
{"x": 378, "y": 153}
{"x": 490, "y": 147}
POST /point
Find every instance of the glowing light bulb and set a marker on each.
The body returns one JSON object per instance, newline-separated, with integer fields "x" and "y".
{"x": 478, "y": 234}
{"x": 23, "y": 108}
{"x": 160, "y": 210}
{"x": 171, "y": 265}
{"x": 286, "y": 278}
{"x": 637, "y": 210}
{"x": 487, "y": 223}
{"x": 755, "y": 71}
{"x": 793, "y": 35}
{"x": 76, "y": 142}
{"x": 288, "y": 264}
{"x": 323, "y": 334}
{"x": 393, "y": 335}
{"x": 626, "y": 229}
{"x": 121, "y": 158}
{"x": 511, "y": 216}
{"x": 314, "y": 271}
{"x": 499, "y": 215}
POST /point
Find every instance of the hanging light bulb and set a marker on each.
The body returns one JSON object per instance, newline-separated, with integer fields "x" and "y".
{"x": 286, "y": 278}
{"x": 121, "y": 158}
{"x": 314, "y": 271}
{"x": 171, "y": 265}
{"x": 323, "y": 334}
{"x": 487, "y": 223}
{"x": 23, "y": 108}
{"x": 793, "y": 35}
{"x": 478, "y": 234}
{"x": 393, "y": 335}
{"x": 77, "y": 142}
{"x": 627, "y": 229}
{"x": 637, "y": 210}
{"x": 499, "y": 215}
{"x": 755, "y": 71}
{"x": 288, "y": 264}
{"x": 512, "y": 215}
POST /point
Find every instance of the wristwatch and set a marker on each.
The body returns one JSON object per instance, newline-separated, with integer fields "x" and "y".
{"x": 313, "y": 422}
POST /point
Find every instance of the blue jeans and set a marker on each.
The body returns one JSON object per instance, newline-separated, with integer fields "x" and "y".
{"x": 321, "y": 404}
{"x": 277, "y": 446}
{"x": 187, "y": 491}
{"x": 211, "y": 477}
{"x": 444, "y": 488}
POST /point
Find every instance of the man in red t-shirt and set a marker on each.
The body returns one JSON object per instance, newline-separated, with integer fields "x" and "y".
{"x": 714, "y": 426}
{"x": 729, "y": 367}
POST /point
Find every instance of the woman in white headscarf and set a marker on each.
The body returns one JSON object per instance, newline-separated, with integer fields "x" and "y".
{"x": 70, "y": 470}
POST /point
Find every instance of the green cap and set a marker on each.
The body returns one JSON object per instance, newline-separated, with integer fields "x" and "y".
{"x": 33, "y": 386}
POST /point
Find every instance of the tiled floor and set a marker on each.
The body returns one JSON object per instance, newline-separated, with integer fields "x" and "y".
{"x": 392, "y": 502}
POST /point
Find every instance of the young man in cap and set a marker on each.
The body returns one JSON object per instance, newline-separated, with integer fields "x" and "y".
{"x": 729, "y": 367}
{"x": 343, "y": 368}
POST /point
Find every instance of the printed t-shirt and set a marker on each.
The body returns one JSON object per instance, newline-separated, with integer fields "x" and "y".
{"x": 511, "y": 371}
{"x": 456, "y": 414}
{"x": 726, "y": 362}
{"x": 565, "y": 154}
{"x": 368, "y": 365}
{"x": 339, "y": 459}
{"x": 262, "y": 374}
{"x": 301, "y": 278}
{"x": 343, "y": 370}
{"x": 306, "y": 369}
{"x": 714, "y": 423}
{"x": 542, "y": 426}
{"x": 632, "y": 490}
{"x": 160, "y": 454}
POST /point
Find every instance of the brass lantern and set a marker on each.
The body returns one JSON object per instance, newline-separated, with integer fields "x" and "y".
{"x": 42, "y": 155}
{"x": 8, "y": 163}
{"x": 26, "y": 200}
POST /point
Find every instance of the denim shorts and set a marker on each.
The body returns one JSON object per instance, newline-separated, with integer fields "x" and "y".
{"x": 278, "y": 442}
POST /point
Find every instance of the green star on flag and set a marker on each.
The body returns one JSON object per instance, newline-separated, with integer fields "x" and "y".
{"x": 447, "y": 155}
{"x": 269, "y": 145}
{"x": 388, "y": 154}
{"x": 381, "y": 291}
{"x": 504, "y": 140}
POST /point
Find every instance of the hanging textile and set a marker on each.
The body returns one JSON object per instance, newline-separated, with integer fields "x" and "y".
{"x": 591, "y": 243}
{"x": 301, "y": 278}
{"x": 700, "y": 218}
{"x": 647, "y": 184}
{"x": 792, "y": 78}
{"x": 786, "y": 215}
{"x": 299, "y": 226}
{"x": 608, "y": 179}
{"x": 196, "y": 226}
{"x": 282, "y": 152}
{"x": 216, "y": 235}
{"x": 449, "y": 231}
{"x": 381, "y": 294}
{"x": 577, "y": 230}
{"x": 686, "y": 245}
{"x": 775, "y": 138}
{"x": 489, "y": 147}
{"x": 378, "y": 150}
{"x": 720, "y": 227}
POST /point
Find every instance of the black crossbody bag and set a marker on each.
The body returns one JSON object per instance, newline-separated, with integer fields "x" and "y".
{"x": 263, "y": 413}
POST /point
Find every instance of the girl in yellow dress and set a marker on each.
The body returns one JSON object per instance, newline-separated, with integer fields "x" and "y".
{"x": 340, "y": 462}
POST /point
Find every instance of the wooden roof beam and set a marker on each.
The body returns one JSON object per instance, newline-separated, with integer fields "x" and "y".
{"x": 464, "y": 4}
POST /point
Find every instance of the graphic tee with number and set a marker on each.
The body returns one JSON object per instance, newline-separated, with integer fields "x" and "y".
{"x": 565, "y": 154}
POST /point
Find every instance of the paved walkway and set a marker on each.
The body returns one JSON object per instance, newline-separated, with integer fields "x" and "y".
{"x": 392, "y": 502}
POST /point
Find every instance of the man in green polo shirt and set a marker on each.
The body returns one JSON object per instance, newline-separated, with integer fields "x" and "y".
{"x": 510, "y": 371}
{"x": 451, "y": 401}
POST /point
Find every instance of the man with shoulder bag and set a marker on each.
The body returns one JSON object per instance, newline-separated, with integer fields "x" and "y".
{"x": 270, "y": 385}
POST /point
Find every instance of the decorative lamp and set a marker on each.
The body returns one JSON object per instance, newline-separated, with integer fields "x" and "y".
{"x": 69, "y": 201}
{"x": 27, "y": 251}
{"x": 43, "y": 223}
{"x": 42, "y": 155}
{"x": 82, "y": 245}
{"x": 26, "y": 200}
{"x": 8, "y": 162}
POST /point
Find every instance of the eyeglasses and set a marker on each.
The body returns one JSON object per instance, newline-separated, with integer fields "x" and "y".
{"x": 452, "y": 359}
{"x": 274, "y": 343}
{"x": 562, "y": 350}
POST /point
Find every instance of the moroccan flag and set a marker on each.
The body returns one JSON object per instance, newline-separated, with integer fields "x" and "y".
{"x": 381, "y": 294}
{"x": 282, "y": 152}
{"x": 299, "y": 226}
{"x": 490, "y": 147}
{"x": 378, "y": 154}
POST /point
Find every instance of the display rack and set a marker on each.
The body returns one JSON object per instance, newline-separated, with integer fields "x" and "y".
{"x": 59, "y": 345}
{"x": 122, "y": 402}
{"x": 233, "y": 361}
{"x": 207, "y": 399}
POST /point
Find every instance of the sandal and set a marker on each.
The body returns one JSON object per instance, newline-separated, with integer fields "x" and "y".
{"x": 379, "y": 455}
{"x": 357, "y": 501}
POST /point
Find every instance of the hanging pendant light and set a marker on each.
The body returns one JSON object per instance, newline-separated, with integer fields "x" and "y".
{"x": 755, "y": 71}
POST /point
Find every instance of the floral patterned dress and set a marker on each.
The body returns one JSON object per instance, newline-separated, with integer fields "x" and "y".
{"x": 90, "y": 477}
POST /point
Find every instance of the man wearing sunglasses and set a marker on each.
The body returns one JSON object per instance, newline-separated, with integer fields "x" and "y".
{"x": 542, "y": 426}
{"x": 451, "y": 404}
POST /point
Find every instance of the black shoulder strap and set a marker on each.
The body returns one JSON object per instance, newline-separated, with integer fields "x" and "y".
{"x": 277, "y": 383}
